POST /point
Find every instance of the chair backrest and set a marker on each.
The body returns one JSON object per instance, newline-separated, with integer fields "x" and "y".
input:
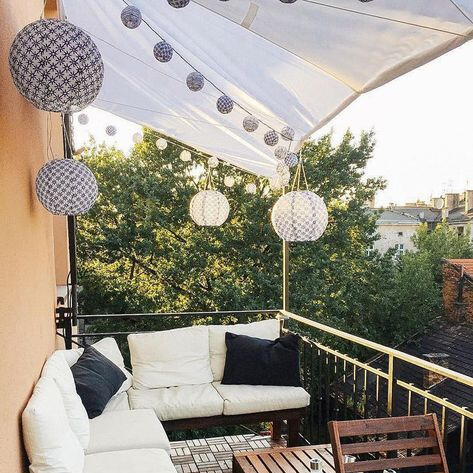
{"x": 393, "y": 442}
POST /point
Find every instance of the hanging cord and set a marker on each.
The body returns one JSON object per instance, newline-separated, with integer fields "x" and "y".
{"x": 300, "y": 171}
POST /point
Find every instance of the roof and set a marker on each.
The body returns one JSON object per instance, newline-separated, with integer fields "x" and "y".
{"x": 297, "y": 64}
{"x": 466, "y": 264}
{"x": 400, "y": 215}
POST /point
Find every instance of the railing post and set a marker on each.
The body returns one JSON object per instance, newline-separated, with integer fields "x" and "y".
{"x": 390, "y": 384}
{"x": 285, "y": 275}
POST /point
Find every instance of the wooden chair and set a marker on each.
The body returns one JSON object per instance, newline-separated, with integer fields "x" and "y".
{"x": 426, "y": 450}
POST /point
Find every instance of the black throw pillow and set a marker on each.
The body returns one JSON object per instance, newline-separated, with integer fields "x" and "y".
{"x": 97, "y": 380}
{"x": 256, "y": 361}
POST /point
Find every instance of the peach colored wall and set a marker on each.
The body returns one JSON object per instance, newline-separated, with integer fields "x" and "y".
{"x": 27, "y": 273}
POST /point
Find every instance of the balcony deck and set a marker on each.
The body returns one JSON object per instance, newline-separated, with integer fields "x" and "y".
{"x": 214, "y": 455}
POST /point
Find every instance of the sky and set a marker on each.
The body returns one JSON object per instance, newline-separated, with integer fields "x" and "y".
{"x": 423, "y": 123}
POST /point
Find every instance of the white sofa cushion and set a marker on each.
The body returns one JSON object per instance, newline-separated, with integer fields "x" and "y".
{"x": 267, "y": 329}
{"x": 51, "y": 444}
{"x": 129, "y": 461}
{"x": 57, "y": 369}
{"x": 245, "y": 399}
{"x": 126, "y": 430}
{"x": 176, "y": 357}
{"x": 119, "y": 402}
{"x": 181, "y": 402}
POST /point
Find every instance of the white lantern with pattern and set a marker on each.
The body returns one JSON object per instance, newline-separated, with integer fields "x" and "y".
{"x": 161, "y": 144}
{"x": 163, "y": 51}
{"x": 185, "y": 155}
{"x": 287, "y": 133}
{"x": 83, "y": 119}
{"x": 280, "y": 152}
{"x": 137, "y": 137}
{"x": 212, "y": 162}
{"x": 250, "y": 124}
{"x": 224, "y": 104}
{"x": 251, "y": 188}
{"x": 229, "y": 181}
{"x": 178, "y": 3}
{"x": 195, "y": 81}
{"x": 131, "y": 17}
{"x": 299, "y": 216}
{"x": 209, "y": 208}
{"x": 271, "y": 138}
{"x": 291, "y": 160}
{"x": 111, "y": 130}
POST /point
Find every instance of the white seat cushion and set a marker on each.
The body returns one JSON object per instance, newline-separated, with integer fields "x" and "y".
{"x": 267, "y": 329}
{"x": 182, "y": 402}
{"x": 56, "y": 367}
{"x": 51, "y": 444}
{"x": 129, "y": 461}
{"x": 170, "y": 358}
{"x": 126, "y": 430}
{"x": 119, "y": 402}
{"x": 245, "y": 399}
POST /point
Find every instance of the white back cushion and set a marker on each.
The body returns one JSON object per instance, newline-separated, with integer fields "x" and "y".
{"x": 50, "y": 443}
{"x": 266, "y": 329}
{"x": 57, "y": 369}
{"x": 170, "y": 358}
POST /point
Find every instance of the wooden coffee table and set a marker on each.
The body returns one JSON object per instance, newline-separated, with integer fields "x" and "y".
{"x": 283, "y": 460}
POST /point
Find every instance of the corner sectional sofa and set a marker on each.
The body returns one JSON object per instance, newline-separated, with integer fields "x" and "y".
{"x": 175, "y": 384}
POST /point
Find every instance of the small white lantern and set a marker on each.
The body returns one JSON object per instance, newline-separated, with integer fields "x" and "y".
{"x": 209, "y": 208}
{"x": 224, "y": 104}
{"x": 111, "y": 130}
{"x": 195, "y": 81}
{"x": 66, "y": 187}
{"x": 179, "y": 3}
{"x": 56, "y": 66}
{"x": 299, "y": 216}
{"x": 280, "y": 152}
{"x": 137, "y": 137}
{"x": 161, "y": 144}
{"x": 131, "y": 17}
{"x": 271, "y": 138}
{"x": 287, "y": 133}
{"x": 291, "y": 160}
{"x": 212, "y": 162}
{"x": 163, "y": 51}
{"x": 278, "y": 181}
{"x": 229, "y": 181}
{"x": 83, "y": 119}
{"x": 185, "y": 155}
{"x": 250, "y": 124}
{"x": 251, "y": 188}
{"x": 282, "y": 168}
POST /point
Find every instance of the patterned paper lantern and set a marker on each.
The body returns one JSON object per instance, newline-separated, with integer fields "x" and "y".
{"x": 163, "y": 51}
{"x": 178, "y": 3}
{"x": 229, "y": 181}
{"x": 250, "y": 123}
{"x": 276, "y": 183}
{"x": 282, "y": 168}
{"x": 111, "y": 130}
{"x": 66, "y": 187}
{"x": 56, "y": 66}
{"x": 161, "y": 144}
{"x": 280, "y": 152}
{"x": 137, "y": 137}
{"x": 131, "y": 17}
{"x": 299, "y": 216}
{"x": 212, "y": 162}
{"x": 209, "y": 208}
{"x": 288, "y": 1}
{"x": 271, "y": 138}
{"x": 185, "y": 155}
{"x": 287, "y": 133}
{"x": 224, "y": 104}
{"x": 291, "y": 160}
{"x": 195, "y": 81}
{"x": 251, "y": 188}
{"x": 83, "y": 119}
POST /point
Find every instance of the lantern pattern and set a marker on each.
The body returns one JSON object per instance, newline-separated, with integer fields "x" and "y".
{"x": 251, "y": 188}
{"x": 83, "y": 119}
{"x": 131, "y": 17}
{"x": 137, "y": 137}
{"x": 280, "y": 152}
{"x": 299, "y": 216}
{"x": 111, "y": 130}
{"x": 56, "y": 66}
{"x": 178, "y": 3}
{"x": 282, "y": 168}
{"x": 212, "y": 162}
{"x": 66, "y": 187}
{"x": 224, "y": 104}
{"x": 163, "y": 51}
{"x": 287, "y": 133}
{"x": 271, "y": 138}
{"x": 195, "y": 81}
{"x": 291, "y": 160}
{"x": 229, "y": 181}
{"x": 209, "y": 208}
{"x": 250, "y": 124}
{"x": 161, "y": 144}
{"x": 185, "y": 155}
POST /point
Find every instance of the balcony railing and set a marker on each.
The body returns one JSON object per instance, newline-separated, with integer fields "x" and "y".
{"x": 387, "y": 383}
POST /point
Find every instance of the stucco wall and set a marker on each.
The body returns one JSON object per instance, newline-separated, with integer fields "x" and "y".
{"x": 27, "y": 273}
{"x": 389, "y": 236}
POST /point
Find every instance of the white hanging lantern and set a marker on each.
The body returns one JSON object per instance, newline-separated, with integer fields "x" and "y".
{"x": 299, "y": 216}
{"x": 83, "y": 119}
{"x": 66, "y": 187}
{"x": 209, "y": 208}
{"x": 224, "y": 104}
{"x": 131, "y": 17}
{"x": 161, "y": 144}
{"x": 163, "y": 51}
{"x": 212, "y": 162}
{"x": 178, "y": 3}
{"x": 278, "y": 181}
{"x": 251, "y": 188}
{"x": 229, "y": 181}
{"x": 56, "y": 66}
{"x": 287, "y": 133}
{"x": 195, "y": 81}
{"x": 291, "y": 160}
{"x": 271, "y": 138}
{"x": 280, "y": 152}
{"x": 137, "y": 137}
{"x": 250, "y": 124}
{"x": 185, "y": 155}
{"x": 111, "y": 130}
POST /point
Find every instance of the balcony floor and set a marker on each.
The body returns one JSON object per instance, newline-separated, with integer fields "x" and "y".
{"x": 214, "y": 455}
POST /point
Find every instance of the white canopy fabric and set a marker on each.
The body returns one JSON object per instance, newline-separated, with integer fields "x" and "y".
{"x": 295, "y": 64}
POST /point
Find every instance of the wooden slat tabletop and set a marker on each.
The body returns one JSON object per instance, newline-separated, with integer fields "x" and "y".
{"x": 283, "y": 460}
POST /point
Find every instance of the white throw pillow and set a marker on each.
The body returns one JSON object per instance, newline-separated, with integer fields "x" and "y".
{"x": 50, "y": 443}
{"x": 57, "y": 369}
{"x": 176, "y": 357}
{"x": 266, "y": 329}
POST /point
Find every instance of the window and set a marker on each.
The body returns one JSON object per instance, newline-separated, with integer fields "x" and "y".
{"x": 399, "y": 247}
{"x": 399, "y": 234}
{"x": 461, "y": 230}
{"x": 369, "y": 251}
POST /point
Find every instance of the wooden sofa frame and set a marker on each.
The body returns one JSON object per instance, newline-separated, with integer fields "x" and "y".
{"x": 291, "y": 416}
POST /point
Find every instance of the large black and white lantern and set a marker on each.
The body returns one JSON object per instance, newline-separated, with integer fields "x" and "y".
{"x": 209, "y": 208}
{"x": 195, "y": 81}
{"x": 163, "y": 51}
{"x": 224, "y": 104}
{"x": 287, "y": 133}
{"x": 56, "y": 66}
{"x": 250, "y": 124}
{"x": 271, "y": 138}
{"x": 178, "y": 3}
{"x": 131, "y": 17}
{"x": 66, "y": 187}
{"x": 299, "y": 216}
